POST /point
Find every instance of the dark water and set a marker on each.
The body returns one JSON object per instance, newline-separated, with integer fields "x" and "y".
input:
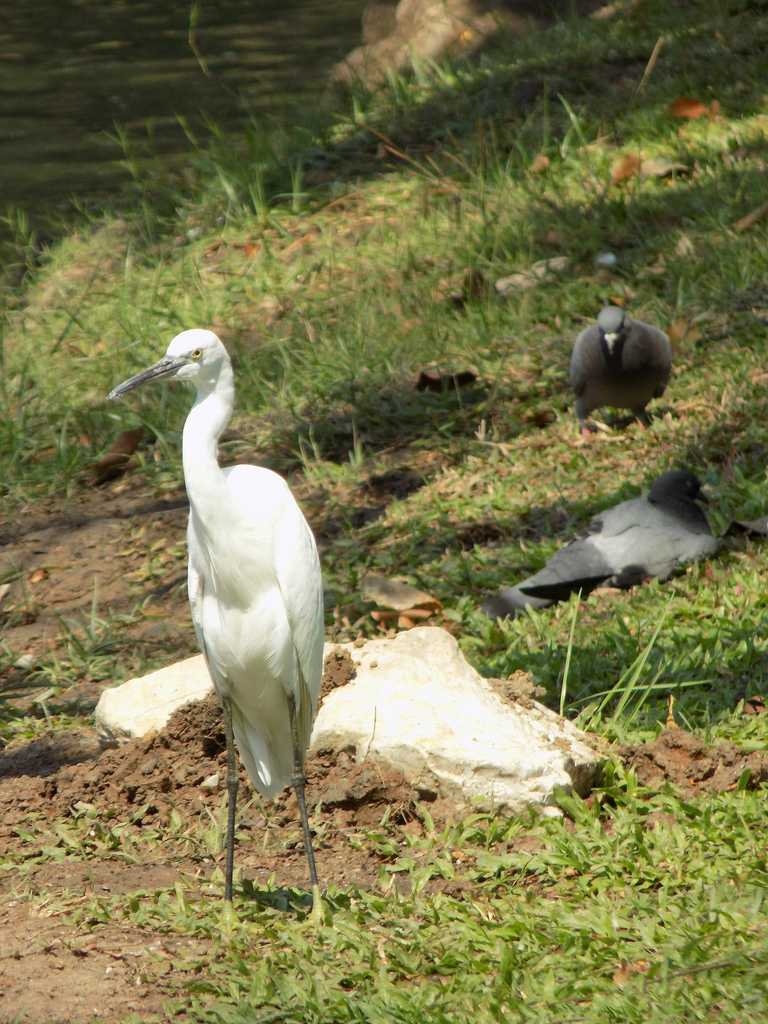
{"x": 71, "y": 70}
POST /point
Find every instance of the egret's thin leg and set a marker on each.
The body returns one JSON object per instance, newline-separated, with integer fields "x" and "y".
{"x": 233, "y": 780}
{"x": 298, "y": 783}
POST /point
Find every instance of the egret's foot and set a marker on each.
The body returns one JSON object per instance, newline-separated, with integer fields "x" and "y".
{"x": 317, "y": 913}
{"x": 228, "y": 918}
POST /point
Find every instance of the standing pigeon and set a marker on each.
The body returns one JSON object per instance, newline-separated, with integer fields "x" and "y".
{"x": 646, "y": 536}
{"x": 619, "y": 362}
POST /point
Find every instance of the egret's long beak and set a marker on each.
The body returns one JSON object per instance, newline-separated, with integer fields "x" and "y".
{"x": 164, "y": 368}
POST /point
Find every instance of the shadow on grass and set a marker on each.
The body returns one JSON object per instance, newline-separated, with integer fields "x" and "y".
{"x": 576, "y": 59}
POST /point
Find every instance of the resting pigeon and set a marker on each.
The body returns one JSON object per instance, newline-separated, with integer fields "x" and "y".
{"x": 619, "y": 362}
{"x": 646, "y": 536}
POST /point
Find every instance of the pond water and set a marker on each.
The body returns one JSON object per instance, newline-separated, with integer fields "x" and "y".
{"x": 73, "y": 70}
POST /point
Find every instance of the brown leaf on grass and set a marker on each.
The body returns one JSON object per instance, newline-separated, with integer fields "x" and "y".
{"x": 611, "y": 10}
{"x": 745, "y": 223}
{"x": 654, "y": 269}
{"x": 682, "y": 330}
{"x": 37, "y": 575}
{"x": 384, "y": 615}
{"x": 624, "y": 971}
{"x": 540, "y": 271}
{"x": 407, "y": 620}
{"x": 391, "y": 593}
{"x": 660, "y": 167}
{"x": 387, "y": 617}
{"x": 540, "y": 416}
{"x": 684, "y": 246}
{"x": 433, "y": 379}
{"x": 115, "y": 461}
{"x": 626, "y": 167}
{"x": 690, "y": 109}
{"x": 471, "y": 286}
{"x": 539, "y": 163}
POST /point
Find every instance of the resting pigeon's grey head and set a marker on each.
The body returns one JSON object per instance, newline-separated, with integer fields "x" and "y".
{"x": 611, "y": 323}
{"x": 676, "y": 485}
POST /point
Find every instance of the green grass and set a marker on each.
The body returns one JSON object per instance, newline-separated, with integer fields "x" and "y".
{"x": 326, "y": 259}
{"x": 627, "y": 917}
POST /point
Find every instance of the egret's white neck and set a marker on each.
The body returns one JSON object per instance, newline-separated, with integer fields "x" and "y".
{"x": 203, "y": 427}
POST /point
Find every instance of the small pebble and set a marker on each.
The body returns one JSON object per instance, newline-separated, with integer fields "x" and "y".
{"x": 211, "y": 782}
{"x": 606, "y": 259}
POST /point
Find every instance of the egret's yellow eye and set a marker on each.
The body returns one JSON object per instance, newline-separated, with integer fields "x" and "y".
{"x": 197, "y": 355}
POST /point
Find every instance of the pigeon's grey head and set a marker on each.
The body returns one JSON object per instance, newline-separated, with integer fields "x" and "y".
{"x": 676, "y": 485}
{"x": 611, "y": 322}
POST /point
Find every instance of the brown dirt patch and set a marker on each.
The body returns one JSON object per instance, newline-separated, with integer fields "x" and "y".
{"x": 51, "y": 974}
{"x": 678, "y": 757}
{"x": 338, "y": 670}
{"x": 183, "y": 769}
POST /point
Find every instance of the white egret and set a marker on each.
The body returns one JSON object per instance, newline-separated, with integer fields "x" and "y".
{"x": 255, "y": 589}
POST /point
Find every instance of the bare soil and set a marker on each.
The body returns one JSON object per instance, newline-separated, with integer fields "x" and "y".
{"x": 677, "y": 757}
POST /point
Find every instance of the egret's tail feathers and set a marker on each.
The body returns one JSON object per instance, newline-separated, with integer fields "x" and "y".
{"x": 267, "y": 761}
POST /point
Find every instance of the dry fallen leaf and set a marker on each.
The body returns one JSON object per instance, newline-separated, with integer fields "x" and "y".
{"x": 654, "y": 269}
{"x": 540, "y": 417}
{"x": 402, "y": 604}
{"x": 530, "y": 278}
{"x": 4, "y": 588}
{"x": 691, "y": 109}
{"x": 684, "y": 330}
{"x": 745, "y": 223}
{"x": 37, "y": 575}
{"x": 755, "y": 705}
{"x": 660, "y": 167}
{"x": 684, "y": 246}
{"x": 624, "y": 971}
{"x": 433, "y": 379}
{"x": 391, "y": 593}
{"x": 626, "y": 167}
{"x": 539, "y": 163}
{"x": 115, "y": 462}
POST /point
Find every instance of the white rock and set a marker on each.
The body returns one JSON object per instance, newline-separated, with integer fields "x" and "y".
{"x": 425, "y": 711}
{"x": 144, "y": 704}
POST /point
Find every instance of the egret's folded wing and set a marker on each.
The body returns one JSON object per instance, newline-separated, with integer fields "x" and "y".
{"x": 297, "y": 566}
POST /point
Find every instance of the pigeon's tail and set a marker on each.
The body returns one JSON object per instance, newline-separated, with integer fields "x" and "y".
{"x": 510, "y": 602}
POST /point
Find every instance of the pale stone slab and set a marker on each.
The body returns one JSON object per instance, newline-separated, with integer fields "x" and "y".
{"x": 417, "y": 704}
{"x": 144, "y": 704}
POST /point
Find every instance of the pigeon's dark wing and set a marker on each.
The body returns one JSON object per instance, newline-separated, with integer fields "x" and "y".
{"x": 561, "y": 591}
{"x": 586, "y": 359}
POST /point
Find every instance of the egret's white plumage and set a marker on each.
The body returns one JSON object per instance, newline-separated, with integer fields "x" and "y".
{"x": 254, "y": 578}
